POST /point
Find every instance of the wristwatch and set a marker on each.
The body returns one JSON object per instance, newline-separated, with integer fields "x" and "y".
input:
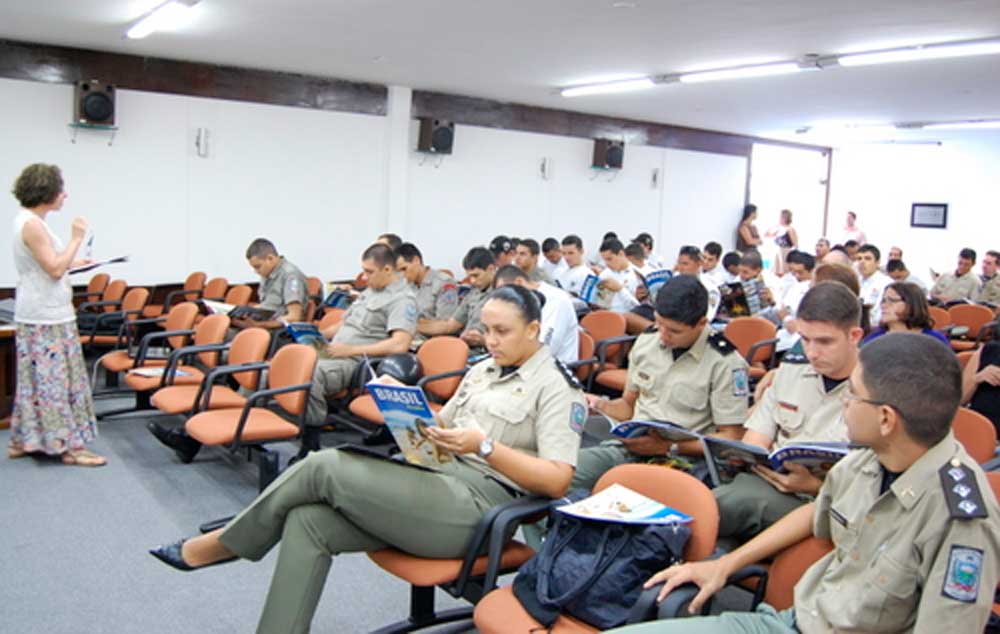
{"x": 485, "y": 448}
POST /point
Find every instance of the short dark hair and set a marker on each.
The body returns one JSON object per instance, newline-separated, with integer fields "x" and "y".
{"x": 393, "y": 240}
{"x": 550, "y": 244}
{"x": 609, "y": 235}
{"x": 527, "y": 301}
{"x": 838, "y": 273}
{"x": 635, "y": 250}
{"x": 690, "y": 251}
{"x": 573, "y": 240}
{"x": 501, "y": 244}
{"x": 408, "y": 251}
{"x": 713, "y": 248}
{"x": 752, "y": 260}
{"x": 730, "y": 259}
{"x": 682, "y": 299}
{"x": 831, "y": 302}
{"x": 807, "y": 260}
{"x": 509, "y": 273}
{"x": 748, "y": 210}
{"x": 850, "y": 243}
{"x": 870, "y": 248}
{"x": 993, "y": 254}
{"x": 852, "y": 215}
{"x": 612, "y": 244}
{"x": 916, "y": 376}
{"x": 917, "y": 313}
{"x": 894, "y": 265}
{"x": 824, "y": 241}
{"x": 381, "y": 254}
{"x": 478, "y": 258}
{"x": 38, "y": 184}
{"x": 967, "y": 254}
{"x": 840, "y": 247}
{"x": 532, "y": 245}
{"x": 261, "y": 247}
{"x": 644, "y": 239}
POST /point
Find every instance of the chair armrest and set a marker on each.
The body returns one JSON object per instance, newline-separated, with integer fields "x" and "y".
{"x": 101, "y": 304}
{"x": 760, "y": 344}
{"x": 148, "y": 338}
{"x": 176, "y": 356}
{"x": 204, "y": 390}
{"x": 579, "y": 363}
{"x": 750, "y": 572}
{"x": 957, "y": 332}
{"x": 169, "y": 300}
{"x": 602, "y": 347}
{"x": 993, "y": 464}
{"x": 147, "y": 320}
{"x": 87, "y": 294}
{"x": 263, "y": 395}
{"x": 440, "y": 375}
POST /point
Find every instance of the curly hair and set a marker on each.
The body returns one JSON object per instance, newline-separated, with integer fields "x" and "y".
{"x": 38, "y": 184}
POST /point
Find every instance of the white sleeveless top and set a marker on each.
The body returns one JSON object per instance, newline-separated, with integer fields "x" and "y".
{"x": 39, "y": 298}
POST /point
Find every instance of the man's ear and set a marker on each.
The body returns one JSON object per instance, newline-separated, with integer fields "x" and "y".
{"x": 890, "y": 421}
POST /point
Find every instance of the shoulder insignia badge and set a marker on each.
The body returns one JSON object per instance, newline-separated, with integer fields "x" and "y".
{"x": 961, "y": 491}
{"x": 568, "y": 375}
{"x": 718, "y": 341}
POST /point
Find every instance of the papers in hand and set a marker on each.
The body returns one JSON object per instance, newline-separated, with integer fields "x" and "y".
{"x": 156, "y": 372}
{"x": 237, "y": 312}
{"x": 621, "y": 504}
{"x": 94, "y": 265}
{"x": 408, "y": 415}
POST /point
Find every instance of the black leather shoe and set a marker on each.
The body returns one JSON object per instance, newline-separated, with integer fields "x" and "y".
{"x": 183, "y": 445}
{"x": 171, "y": 555}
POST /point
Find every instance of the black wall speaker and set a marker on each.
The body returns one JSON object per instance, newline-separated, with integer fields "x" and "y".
{"x": 437, "y": 136}
{"x": 608, "y": 154}
{"x": 94, "y": 102}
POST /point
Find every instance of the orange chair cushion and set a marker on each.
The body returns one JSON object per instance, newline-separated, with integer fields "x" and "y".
{"x": 501, "y": 613}
{"x": 364, "y": 407}
{"x": 177, "y": 399}
{"x": 152, "y": 310}
{"x": 218, "y": 427}
{"x": 119, "y": 361}
{"x": 961, "y": 346}
{"x": 146, "y": 383}
{"x": 614, "y": 379}
{"x": 99, "y": 340}
{"x": 756, "y": 373}
{"x": 421, "y": 571}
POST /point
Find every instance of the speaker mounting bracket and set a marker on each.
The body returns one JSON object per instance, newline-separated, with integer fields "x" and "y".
{"x": 76, "y": 127}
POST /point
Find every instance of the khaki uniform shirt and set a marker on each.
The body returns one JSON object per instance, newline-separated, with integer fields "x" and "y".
{"x": 285, "y": 285}
{"x": 901, "y": 562}
{"x": 990, "y": 292}
{"x": 538, "y": 274}
{"x": 705, "y": 387}
{"x": 469, "y": 310}
{"x": 798, "y": 408}
{"x": 536, "y": 409}
{"x": 377, "y": 313}
{"x": 437, "y": 296}
{"x": 949, "y": 286}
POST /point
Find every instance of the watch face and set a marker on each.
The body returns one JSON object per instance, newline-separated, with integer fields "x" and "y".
{"x": 486, "y": 447}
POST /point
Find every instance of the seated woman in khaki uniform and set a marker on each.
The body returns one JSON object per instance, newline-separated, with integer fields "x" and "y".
{"x": 513, "y": 426}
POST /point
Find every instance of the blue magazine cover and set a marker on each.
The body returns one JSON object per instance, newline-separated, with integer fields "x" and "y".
{"x": 656, "y": 280}
{"x": 588, "y": 291}
{"x": 408, "y": 415}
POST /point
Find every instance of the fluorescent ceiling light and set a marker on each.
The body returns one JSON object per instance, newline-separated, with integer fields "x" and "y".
{"x": 964, "y": 125}
{"x": 915, "y": 53}
{"x": 167, "y": 16}
{"x": 761, "y": 70}
{"x": 608, "y": 87}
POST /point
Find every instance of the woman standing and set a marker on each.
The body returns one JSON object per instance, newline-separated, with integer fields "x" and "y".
{"x": 786, "y": 239}
{"x": 747, "y": 236}
{"x": 513, "y": 426}
{"x": 53, "y": 407}
{"x": 904, "y": 309}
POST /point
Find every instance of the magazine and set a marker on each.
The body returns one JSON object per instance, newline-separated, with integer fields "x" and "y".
{"x": 408, "y": 415}
{"x": 621, "y": 504}
{"x": 656, "y": 280}
{"x": 589, "y": 289}
{"x": 237, "y": 312}
{"x": 734, "y": 300}
{"x": 636, "y": 428}
{"x": 94, "y": 265}
{"x": 151, "y": 373}
{"x": 730, "y": 457}
{"x": 308, "y": 334}
{"x": 337, "y": 299}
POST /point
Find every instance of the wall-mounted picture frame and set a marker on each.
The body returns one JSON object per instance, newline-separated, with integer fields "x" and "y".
{"x": 929, "y": 215}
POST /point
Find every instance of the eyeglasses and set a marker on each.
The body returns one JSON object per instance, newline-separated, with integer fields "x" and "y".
{"x": 890, "y": 300}
{"x": 849, "y": 396}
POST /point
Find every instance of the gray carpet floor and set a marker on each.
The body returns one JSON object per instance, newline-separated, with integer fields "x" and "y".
{"x": 73, "y": 550}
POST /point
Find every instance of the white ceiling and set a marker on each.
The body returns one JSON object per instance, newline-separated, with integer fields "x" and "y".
{"x": 521, "y": 50}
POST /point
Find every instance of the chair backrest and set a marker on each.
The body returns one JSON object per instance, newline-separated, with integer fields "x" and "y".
{"x": 604, "y": 324}
{"x": 215, "y": 288}
{"x": 994, "y": 479}
{"x": 443, "y": 354}
{"x": 180, "y": 317}
{"x": 134, "y": 300}
{"x": 238, "y": 295}
{"x": 743, "y": 332}
{"x": 939, "y": 316}
{"x": 976, "y": 433}
{"x": 789, "y": 566}
{"x": 249, "y": 346}
{"x": 195, "y": 281}
{"x": 971, "y": 315}
{"x": 114, "y": 292}
{"x": 212, "y": 329}
{"x": 330, "y": 317}
{"x": 675, "y": 489}
{"x": 292, "y": 364}
{"x": 314, "y": 285}
{"x": 98, "y": 283}
{"x": 586, "y": 352}
{"x": 964, "y": 356}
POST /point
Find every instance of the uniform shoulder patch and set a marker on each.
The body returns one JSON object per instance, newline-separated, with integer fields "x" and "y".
{"x": 577, "y": 417}
{"x": 795, "y": 354}
{"x": 718, "y": 341}
{"x": 568, "y": 375}
{"x": 961, "y": 491}
{"x": 650, "y": 329}
{"x": 965, "y": 567}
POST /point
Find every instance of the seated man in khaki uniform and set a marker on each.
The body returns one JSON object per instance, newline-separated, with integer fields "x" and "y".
{"x": 990, "y": 291}
{"x": 479, "y": 267}
{"x": 437, "y": 291}
{"x": 684, "y": 373}
{"x": 962, "y": 284}
{"x": 802, "y": 405}
{"x": 282, "y": 287}
{"x": 914, "y": 524}
{"x": 526, "y": 258}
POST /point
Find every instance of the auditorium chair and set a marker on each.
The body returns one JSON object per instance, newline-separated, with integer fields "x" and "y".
{"x": 330, "y": 317}
{"x": 583, "y": 367}
{"x": 110, "y": 301}
{"x": 756, "y": 340}
{"x": 499, "y": 612}
{"x": 607, "y": 328}
{"x": 244, "y": 363}
{"x": 253, "y": 426}
{"x": 974, "y": 317}
{"x": 976, "y": 433}
{"x": 238, "y": 295}
{"x": 442, "y": 363}
{"x": 964, "y": 356}
{"x": 190, "y": 291}
{"x": 940, "y": 318}
{"x": 95, "y": 288}
{"x": 129, "y": 310}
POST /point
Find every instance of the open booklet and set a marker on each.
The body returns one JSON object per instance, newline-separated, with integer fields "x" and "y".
{"x": 308, "y": 334}
{"x": 618, "y": 503}
{"x": 636, "y": 428}
{"x": 153, "y": 373}
{"x": 730, "y": 457}
{"x": 407, "y": 414}
{"x": 655, "y": 281}
{"x": 98, "y": 263}
{"x": 237, "y": 312}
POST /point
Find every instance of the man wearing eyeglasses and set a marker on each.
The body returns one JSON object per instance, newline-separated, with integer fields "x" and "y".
{"x": 802, "y": 405}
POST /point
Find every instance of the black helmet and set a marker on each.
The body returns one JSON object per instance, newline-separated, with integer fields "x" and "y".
{"x": 404, "y": 367}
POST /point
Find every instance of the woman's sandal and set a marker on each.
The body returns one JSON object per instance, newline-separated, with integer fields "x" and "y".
{"x": 14, "y": 452}
{"x": 83, "y": 458}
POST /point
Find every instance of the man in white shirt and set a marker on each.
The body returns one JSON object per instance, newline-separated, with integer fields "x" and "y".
{"x": 899, "y": 273}
{"x": 689, "y": 263}
{"x": 711, "y": 264}
{"x": 552, "y": 261}
{"x": 800, "y": 268}
{"x": 571, "y": 280}
{"x": 559, "y": 330}
{"x": 618, "y": 279}
{"x": 873, "y": 281}
{"x": 637, "y": 257}
{"x": 652, "y": 259}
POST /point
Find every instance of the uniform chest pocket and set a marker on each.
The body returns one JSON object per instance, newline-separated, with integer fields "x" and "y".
{"x": 507, "y": 413}
{"x": 790, "y": 420}
{"x": 690, "y": 397}
{"x": 373, "y": 319}
{"x": 889, "y": 599}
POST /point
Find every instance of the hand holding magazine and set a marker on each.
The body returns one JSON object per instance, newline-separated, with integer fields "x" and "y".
{"x": 408, "y": 415}
{"x": 621, "y": 504}
{"x": 730, "y": 457}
